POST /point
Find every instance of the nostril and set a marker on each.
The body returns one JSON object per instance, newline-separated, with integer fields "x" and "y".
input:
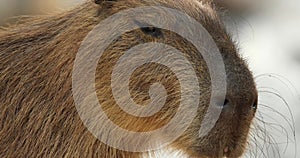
{"x": 254, "y": 106}
{"x": 222, "y": 103}
{"x": 226, "y": 102}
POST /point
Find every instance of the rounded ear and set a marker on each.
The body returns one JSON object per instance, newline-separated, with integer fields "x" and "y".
{"x": 101, "y": 1}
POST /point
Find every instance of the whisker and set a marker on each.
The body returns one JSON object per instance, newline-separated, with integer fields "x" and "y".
{"x": 283, "y": 80}
{"x": 287, "y": 106}
{"x": 266, "y": 144}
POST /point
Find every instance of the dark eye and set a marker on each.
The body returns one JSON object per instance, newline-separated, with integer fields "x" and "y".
{"x": 153, "y": 31}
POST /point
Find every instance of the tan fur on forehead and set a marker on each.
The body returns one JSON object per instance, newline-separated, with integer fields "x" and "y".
{"x": 203, "y": 11}
{"x": 195, "y": 8}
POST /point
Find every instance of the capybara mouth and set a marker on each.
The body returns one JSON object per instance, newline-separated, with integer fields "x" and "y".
{"x": 215, "y": 152}
{"x": 228, "y": 138}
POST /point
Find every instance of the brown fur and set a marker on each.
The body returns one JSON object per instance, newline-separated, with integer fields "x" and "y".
{"x": 38, "y": 116}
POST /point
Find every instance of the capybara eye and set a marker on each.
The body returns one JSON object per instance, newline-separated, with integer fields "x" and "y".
{"x": 153, "y": 31}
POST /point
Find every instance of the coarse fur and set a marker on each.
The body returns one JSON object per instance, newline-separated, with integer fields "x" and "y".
{"x": 38, "y": 116}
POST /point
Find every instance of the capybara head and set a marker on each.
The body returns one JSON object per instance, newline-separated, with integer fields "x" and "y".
{"x": 39, "y": 114}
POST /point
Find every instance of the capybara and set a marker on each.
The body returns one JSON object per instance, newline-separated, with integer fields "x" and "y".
{"x": 38, "y": 113}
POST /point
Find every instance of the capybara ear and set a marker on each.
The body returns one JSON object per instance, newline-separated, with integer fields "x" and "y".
{"x": 100, "y": 1}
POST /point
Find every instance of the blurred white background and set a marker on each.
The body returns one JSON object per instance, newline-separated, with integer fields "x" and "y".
{"x": 268, "y": 33}
{"x": 9, "y": 8}
{"x": 269, "y": 38}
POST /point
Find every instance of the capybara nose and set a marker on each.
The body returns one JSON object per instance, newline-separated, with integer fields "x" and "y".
{"x": 234, "y": 103}
{"x": 237, "y": 104}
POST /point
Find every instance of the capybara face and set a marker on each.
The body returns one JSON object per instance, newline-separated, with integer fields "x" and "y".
{"x": 38, "y": 110}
